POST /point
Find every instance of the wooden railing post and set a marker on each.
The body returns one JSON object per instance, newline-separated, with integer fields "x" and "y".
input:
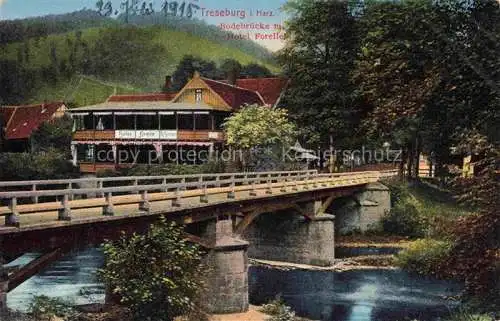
{"x": 204, "y": 197}
{"x": 12, "y": 219}
{"x": 100, "y": 186}
{"x": 176, "y": 202}
{"x": 295, "y": 186}
{"x": 136, "y": 183}
{"x": 108, "y": 209}
{"x": 144, "y": 204}
{"x": 35, "y": 198}
{"x": 269, "y": 189}
{"x": 231, "y": 194}
{"x": 65, "y": 212}
{"x": 253, "y": 192}
{"x": 164, "y": 183}
{"x": 283, "y": 188}
{"x": 70, "y": 187}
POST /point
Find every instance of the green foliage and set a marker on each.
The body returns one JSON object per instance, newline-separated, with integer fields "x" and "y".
{"x": 278, "y": 311}
{"x": 469, "y": 316}
{"x": 126, "y": 54}
{"x": 254, "y": 70}
{"x": 168, "y": 169}
{"x": 254, "y": 126}
{"x": 420, "y": 209}
{"x": 403, "y": 219}
{"x": 157, "y": 275}
{"x": 188, "y": 65}
{"x": 424, "y": 256}
{"x": 319, "y": 56}
{"x": 136, "y": 57}
{"x": 46, "y": 308}
{"x": 53, "y": 135}
{"x": 476, "y": 252}
{"x": 50, "y": 164}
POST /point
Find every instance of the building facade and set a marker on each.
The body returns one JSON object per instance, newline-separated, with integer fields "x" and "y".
{"x": 183, "y": 127}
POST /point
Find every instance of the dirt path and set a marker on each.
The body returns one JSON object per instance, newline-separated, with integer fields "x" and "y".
{"x": 251, "y": 315}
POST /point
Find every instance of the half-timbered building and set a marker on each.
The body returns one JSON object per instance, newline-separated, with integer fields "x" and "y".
{"x": 164, "y": 127}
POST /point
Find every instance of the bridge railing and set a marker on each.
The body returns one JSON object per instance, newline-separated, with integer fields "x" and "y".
{"x": 101, "y": 182}
{"x": 224, "y": 184}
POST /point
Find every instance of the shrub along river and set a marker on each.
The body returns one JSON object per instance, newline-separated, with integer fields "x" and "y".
{"x": 361, "y": 295}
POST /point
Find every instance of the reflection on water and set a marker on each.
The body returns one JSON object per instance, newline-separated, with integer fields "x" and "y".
{"x": 368, "y": 295}
{"x": 73, "y": 278}
{"x": 348, "y": 296}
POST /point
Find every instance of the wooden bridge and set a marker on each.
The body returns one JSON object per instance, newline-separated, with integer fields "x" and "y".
{"x": 54, "y": 216}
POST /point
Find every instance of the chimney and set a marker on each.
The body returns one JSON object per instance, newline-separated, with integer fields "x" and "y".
{"x": 168, "y": 83}
{"x": 232, "y": 75}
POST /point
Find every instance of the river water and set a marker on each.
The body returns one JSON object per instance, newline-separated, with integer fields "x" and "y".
{"x": 360, "y": 295}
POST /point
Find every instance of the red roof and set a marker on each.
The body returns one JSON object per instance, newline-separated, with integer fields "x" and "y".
{"x": 143, "y": 97}
{"x": 21, "y": 121}
{"x": 234, "y": 96}
{"x": 269, "y": 88}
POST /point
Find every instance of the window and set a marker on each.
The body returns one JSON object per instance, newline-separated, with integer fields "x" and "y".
{"x": 198, "y": 95}
{"x": 186, "y": 121}
{"x": 147, "y": 122}
{"x": 79, "y": 123}
{"x": 103, "y": 121}
{"x": 88, "y": 121}
{"x": 125, "y": 122}
{"x": 168, "y": 121}
{"x": 202, "y": 121}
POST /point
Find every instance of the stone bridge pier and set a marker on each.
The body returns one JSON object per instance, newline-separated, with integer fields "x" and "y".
{"x": 301, "y": 235}
{"x": 228, "y": 264}
{"x": 362, "y": 210}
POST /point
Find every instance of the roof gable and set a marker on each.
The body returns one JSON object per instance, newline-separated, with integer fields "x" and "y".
{"x": 199, "y": 82}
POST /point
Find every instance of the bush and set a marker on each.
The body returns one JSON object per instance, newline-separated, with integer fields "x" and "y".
{"x": 404, "y": 219}
{"x": 157, "y": 275}
{"x": 467, "y": 316}
{"x": 173, "y": 169}
{"x": 45, "y": 308}
{"x": 424, "y": 256}
{"x": 278, "y": 311}
{"x": 51, "y": 164}
{"x": 15, "y": 316}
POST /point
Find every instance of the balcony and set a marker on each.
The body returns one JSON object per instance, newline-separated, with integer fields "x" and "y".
{"x": 153, "y": 135}
{"x": 94, "y": 135}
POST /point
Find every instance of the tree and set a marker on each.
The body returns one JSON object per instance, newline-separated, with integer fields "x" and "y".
{"x": 255, "y": 71}
{"x": 188, "y": 65}
{"x": 50, "y": 164}
{"x": 127, "y": 54}
{"x": 231, "y": 69}
{"x": 262, "y": 134}
{"x": 157, "y": 275}
{"x": 254, "y": 126}
{"x": 53, "y": 135}
{"x": 319, "y": 55}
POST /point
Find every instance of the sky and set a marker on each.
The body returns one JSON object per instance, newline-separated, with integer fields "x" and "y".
{"x": 17, "y": 9}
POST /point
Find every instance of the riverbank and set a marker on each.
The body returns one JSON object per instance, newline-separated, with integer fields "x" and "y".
{"x": 367, "y": 262}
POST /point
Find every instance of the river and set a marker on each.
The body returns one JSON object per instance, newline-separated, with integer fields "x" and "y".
{"x": 359, "y": 295}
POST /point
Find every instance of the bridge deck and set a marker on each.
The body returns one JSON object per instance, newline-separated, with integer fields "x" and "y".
{"x": 85, "y": 211}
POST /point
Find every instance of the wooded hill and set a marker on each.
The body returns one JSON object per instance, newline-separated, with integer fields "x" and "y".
{"x": 49, "y": 58}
